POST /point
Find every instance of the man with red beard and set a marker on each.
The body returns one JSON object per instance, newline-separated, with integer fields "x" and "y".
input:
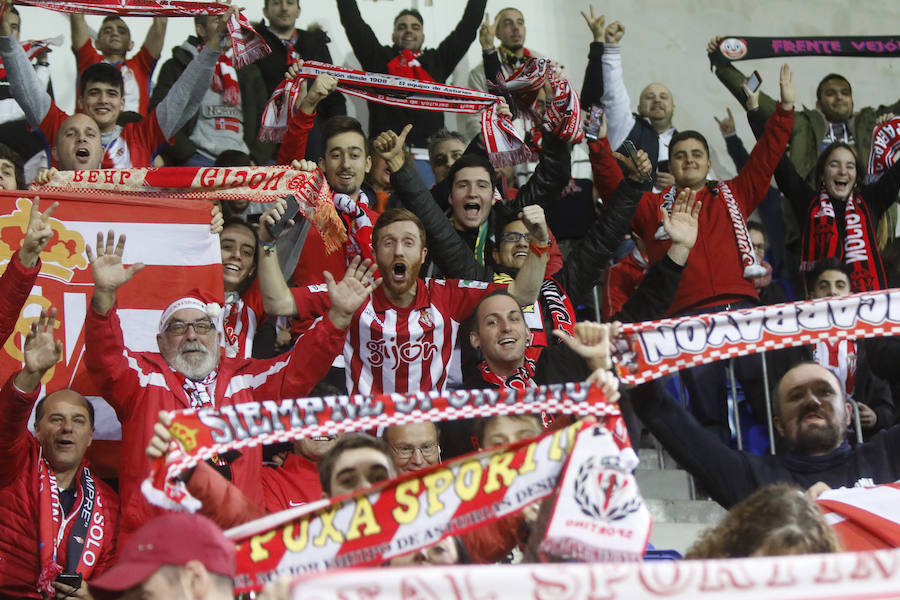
{"x": 191, "y": 369}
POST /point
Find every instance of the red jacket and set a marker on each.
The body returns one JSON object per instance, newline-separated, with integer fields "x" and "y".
{"x": 622, "y": 279}
{"x": 20, "y": 505}
{"x": 15, "y": 287}
{"x": 713, "y": 274}
{"x": 293, "y": 484}
{"x": 140, "y": 384}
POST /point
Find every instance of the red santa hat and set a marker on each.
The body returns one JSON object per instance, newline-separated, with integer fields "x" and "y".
{"x": 202, "y": 300}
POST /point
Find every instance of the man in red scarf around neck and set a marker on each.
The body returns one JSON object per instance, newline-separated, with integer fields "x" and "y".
{"x": 406, "y": 58}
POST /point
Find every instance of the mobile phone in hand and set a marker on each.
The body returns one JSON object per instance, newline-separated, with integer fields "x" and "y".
{"x": 592, "y": 125}
{"x": 73, "y": 580}
{"x": 754, "y": 81}
{"x": 628, "y": 145}
{"x": 290, "y": 211}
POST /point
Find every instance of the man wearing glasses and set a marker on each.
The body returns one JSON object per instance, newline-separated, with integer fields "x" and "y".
{"x": 191, "y": 370}
{"x": 414, "y": 446}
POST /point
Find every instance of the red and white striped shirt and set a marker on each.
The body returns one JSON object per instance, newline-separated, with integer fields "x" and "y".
{"x": 404, "y": 350}
{"x": 240, "y": 320}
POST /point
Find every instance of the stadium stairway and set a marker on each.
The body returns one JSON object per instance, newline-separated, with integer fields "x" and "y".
{"x": 679, "y": 515}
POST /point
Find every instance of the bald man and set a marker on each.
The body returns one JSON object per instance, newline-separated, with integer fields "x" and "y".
{"x": 650, "y": 129}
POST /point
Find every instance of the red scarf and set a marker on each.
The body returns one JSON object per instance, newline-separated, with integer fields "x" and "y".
{"x": 859, "y": 248}
{"x": 202, "y": 393}
{"x": 79, "y": 535}
{"x": 562, "y": 117}
{"x": 225, "y": 80}
{"x": 34, "y": 47}
{"x": 406, "y": 64}
{"x": 521, "y": 379}
{"x": 358, "y": 223}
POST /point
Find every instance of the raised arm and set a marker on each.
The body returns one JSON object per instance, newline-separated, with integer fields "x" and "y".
{"x": 454, "y": 47}
{"x": 41, "y": 352}
{"x": 81, "y": 33}
{"x": 733, "y": 79}
{"x": 182, "y": 101}
{"x": 527, "y": 283}
{"x": 616, "y": 103}
{"x": 156, "y": 36}
{"x": 24, "y": 84}
{"x": 372, "y": 56}
{"x": 592, "y": 88}
{"x": 293, "y": 146}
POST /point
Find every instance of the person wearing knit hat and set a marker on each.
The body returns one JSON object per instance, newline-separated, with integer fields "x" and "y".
{"x": 192, "y": 370}
{"x": 174, "y": 555}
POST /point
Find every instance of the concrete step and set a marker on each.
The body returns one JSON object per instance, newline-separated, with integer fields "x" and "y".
{"x": 701, "y": 512}
{"x": 670, "y": 484}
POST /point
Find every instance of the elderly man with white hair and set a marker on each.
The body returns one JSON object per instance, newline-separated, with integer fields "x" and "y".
{"x": 192, "y": 370}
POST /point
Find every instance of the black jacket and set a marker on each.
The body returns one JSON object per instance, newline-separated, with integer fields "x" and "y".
{"x": 310, "y": 45}
{"x": 729, "y": 475}
{"x": 438, "y": 62}
{"x": 253, "y": 101}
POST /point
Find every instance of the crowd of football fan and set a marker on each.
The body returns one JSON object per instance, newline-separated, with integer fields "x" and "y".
{"x": 477, "y": 278}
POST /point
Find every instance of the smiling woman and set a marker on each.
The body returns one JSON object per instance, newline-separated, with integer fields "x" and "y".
{"x": 840, "y": 214}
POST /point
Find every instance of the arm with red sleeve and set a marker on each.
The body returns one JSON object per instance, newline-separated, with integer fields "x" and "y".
{"x": 15, "y": 286}
{"x": 222, "y": 501}
{"x": 752, "y": 183}
{"x": 604, "y": 167}
{"x": 120, "y": 374}
{"x": 15, "y": 439}
{"x": 293, "y": 145}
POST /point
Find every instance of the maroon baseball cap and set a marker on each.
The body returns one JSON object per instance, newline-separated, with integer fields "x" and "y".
{"x": 174, "y": 538}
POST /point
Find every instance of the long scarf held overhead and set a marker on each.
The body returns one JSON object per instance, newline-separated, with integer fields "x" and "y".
{"x": 80, "y": 536}
{"x": 504, "y": 145}
{"x": 208, "y": 431}
{"x": 248, "y": 45}
{"x": 652, "y": 349}
{"x": 257, "y": 184}
{"x": 859, "y": 248}
{"x": 33, "y": 48}
{"x": 734, "y": 47}
{"x": 562, "y": 116}
{"x": 419, "y": 509}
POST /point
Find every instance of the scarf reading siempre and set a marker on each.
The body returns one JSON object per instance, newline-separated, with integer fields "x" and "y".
{"x": 859, "y": 248}
{"x": 248, "y": 45}
{"x": 257, "y": 184}
{"x": 503, "y": 143}
{"x": 748, "y": 48}
{"x": 71, "y": 533}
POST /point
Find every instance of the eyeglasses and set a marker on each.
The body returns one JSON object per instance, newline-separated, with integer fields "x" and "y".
{"x": 201, "y": 327}
{"x": 405, "y": 452}
{"x": 513, "y": 237}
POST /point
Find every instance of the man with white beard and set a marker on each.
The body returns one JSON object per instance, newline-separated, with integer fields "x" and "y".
{"x": 192, "y": 371}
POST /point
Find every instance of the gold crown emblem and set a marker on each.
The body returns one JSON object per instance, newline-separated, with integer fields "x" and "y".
{"x": 185, "y": 435}
{"x": 63, "y": 254}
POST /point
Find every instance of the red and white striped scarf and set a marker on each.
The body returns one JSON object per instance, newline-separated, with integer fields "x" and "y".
{"x": 34, "y": 47}
{"x": 503, "y": 144}
{"x": 248, "y": 45}
{"x": 225, "y": 79}
{"x": 562, "y": 116}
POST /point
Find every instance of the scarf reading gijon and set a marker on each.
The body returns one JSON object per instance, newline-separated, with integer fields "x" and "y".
{"x": 257, "y": 184}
